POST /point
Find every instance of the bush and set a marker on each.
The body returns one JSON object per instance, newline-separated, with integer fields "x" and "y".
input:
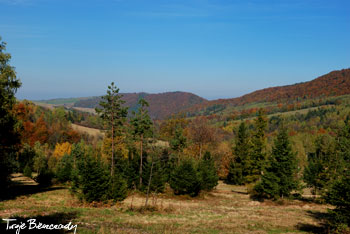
{"x": 26, "y": 157}
{"x": 64, "y": 169}
{"x": 44, "y": 178}
{"x": 185, "y": 179}
{"x": 27, "y": 171}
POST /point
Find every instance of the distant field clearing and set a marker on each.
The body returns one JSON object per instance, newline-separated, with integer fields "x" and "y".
{"x": 90, "y": 131}
{"x": 83, "y": 109}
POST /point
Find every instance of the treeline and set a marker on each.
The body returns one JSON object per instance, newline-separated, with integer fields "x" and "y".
{"x": 290, "y": 97}
{"x": 226, "y": 112}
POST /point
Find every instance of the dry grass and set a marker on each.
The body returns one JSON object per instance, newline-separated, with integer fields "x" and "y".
{"x": 228, "y": 209}
{"x": 91, "y": 131}
{"x": 83, "y": 109}
{"x": 45, "y": 105}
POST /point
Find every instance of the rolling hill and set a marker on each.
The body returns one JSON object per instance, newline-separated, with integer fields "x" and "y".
{"x": 161, "y": 106}
{"x": 335, "y": 83}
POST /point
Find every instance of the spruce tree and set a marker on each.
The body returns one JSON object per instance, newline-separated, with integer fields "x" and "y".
{"x": 338, "y": 193}
{"x": 78, "y": 155}
{"x": 153, "y": 170}
{"x": 319, "y": 173}
{"x": 185, "y": 179}
{"x": 94, "y": 182}
{"x": 118, "y": 187}
{"x": 207, "y": 172}
{"x": 339, "y": 196}
{"x": 258, "y": 153}
{"x": 179, "y": 142}
{"x": 279, "y": 178}
{"x": 343, "y": 140}
{"x": 240, "y": 166}
{"x": 91, "y": 178}
{"x": 65, "y": 168}
{"x": 313, "y": 173}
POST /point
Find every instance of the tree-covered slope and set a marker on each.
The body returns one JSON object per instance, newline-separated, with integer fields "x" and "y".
{"x": 335, "y": 83}
{"x": 161, "y": 105}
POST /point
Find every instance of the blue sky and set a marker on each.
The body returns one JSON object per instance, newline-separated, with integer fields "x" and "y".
{"x": 215, "y": 49}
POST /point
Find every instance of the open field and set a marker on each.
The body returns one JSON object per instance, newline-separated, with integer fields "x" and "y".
{"x": 91, "y": 131}
{"x": 83, "y": 109}
{"x": 228, "y": 209}
{"x": 62, "y": 101}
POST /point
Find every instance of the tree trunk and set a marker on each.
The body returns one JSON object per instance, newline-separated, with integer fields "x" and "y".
{"x": 141, "y": 144}
{"x": 112, "y": 164}
{"x": 149, "y": 183}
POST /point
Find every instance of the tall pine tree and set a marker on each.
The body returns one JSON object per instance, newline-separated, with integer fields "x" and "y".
{"x": 114, "y": 114}
{"x": 240, "y": 166}
{"x": 258, "y": 153}
{"x": 142, "y": 127}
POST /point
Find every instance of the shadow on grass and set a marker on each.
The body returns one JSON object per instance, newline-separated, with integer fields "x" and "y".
{"x": 322, "y": 217}
{"x": 312, "y": 200}
{"x": 18, "y": 189}
{"x": 55, "y": 218}
{"x": 239, "y": 192}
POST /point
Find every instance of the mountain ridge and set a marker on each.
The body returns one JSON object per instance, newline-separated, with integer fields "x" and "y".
{"x": 163, "y": 105}
{"x": 334, "y": 83}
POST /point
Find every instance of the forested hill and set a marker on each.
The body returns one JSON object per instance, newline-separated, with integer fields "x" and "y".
{"x": 161, "y": 105}
{"x": 335, "y": 83}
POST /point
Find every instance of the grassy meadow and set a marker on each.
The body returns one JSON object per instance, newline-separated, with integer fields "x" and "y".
{"x": 227, "y": 209}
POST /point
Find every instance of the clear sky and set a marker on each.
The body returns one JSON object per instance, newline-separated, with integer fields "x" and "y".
{"x": 215, "y": 49}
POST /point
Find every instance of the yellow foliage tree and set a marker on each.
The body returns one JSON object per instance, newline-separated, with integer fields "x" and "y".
{"x": 62, "y": 149}
{"x": 120, "y": 148}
